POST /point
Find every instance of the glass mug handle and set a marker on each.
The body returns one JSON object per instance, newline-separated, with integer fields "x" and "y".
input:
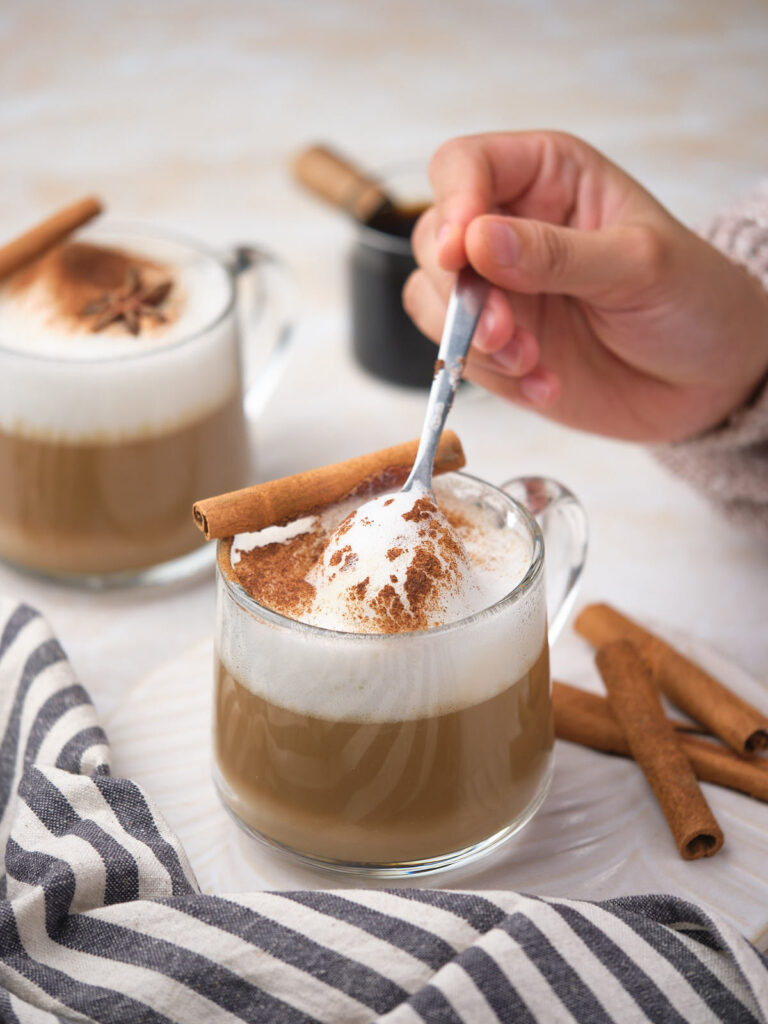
{"x": 266, "y": 292}
{"x": 564, "y": 524}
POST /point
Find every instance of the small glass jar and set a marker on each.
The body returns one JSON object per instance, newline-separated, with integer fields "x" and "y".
{"x": 385, "y": 341}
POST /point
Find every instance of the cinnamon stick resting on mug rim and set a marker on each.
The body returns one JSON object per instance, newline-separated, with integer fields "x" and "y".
{"x": 635, "y": 702}
{"x": 43, "y": 236}
{"x": 685, "y": 683}
{"x": 586, "y": 718}
{"x": 279, "y": 501}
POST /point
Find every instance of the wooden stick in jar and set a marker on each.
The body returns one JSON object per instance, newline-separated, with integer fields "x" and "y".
{"x": 341, "y": 183}
{"x": 685, "y": 683}
{"x": 635, "y": 702}
{"x": 279, "y": 501}
{"x": 37, "y": 240}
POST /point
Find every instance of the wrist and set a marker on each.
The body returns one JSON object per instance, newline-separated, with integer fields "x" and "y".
{"x": 751, "y": 355}
{"x": 740, "y": 234}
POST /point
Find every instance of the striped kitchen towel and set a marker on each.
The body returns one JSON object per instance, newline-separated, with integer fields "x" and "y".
{"x": 101, "y": 918}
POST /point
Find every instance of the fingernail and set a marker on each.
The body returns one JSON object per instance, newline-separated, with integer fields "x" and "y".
{"x": 503, "y": 244}
{"x": 445, "y": 232}
{"x": 535, "y": 390}
{"x": 484, "y": 330}
{"x": 508, "y": 358}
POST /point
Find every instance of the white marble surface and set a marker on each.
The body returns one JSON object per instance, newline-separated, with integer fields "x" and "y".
{"x": 186, "y": 114}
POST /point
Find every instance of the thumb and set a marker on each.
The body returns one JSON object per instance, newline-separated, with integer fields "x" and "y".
{"x": 532, "y": 256}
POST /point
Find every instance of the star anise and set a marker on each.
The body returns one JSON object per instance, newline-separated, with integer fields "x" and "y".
{"x": 130, "y": 303}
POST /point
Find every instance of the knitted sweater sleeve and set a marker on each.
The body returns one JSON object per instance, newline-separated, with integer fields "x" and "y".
{"x": 729, "y": 464}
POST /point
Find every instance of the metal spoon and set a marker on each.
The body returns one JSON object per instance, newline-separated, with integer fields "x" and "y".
{"x": 464, "y": 309}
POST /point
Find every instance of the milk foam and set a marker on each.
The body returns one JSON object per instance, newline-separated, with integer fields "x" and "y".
{"x": 384, "y": 677}
{"x": 64, "y": 381}
{"x": 373, "y": 550}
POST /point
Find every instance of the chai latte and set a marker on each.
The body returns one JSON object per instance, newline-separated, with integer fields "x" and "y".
{"x": 381, "y": 749}
{"x": 370, "y": 791}
{"x": 120, "y": 403}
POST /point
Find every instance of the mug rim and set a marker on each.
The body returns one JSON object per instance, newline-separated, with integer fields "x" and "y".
{"x": 389, "y": 174}
{"x": 382, "y": 241}
{"x": 248, "y": 603}
{"x": 128, "y": 227}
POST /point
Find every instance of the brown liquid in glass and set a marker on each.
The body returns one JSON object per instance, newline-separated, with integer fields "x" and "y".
{"x": 81, "y": 507}
{"x": 383, "y": 792}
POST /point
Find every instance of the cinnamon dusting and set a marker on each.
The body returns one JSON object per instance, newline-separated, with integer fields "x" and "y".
{"x": 275, "y": 573}
{"x": 450, "y": 546}
{"x": 459, "y": 520}
{"x": 420, "y": 579}
{"x": 337, "y": 556}
{"x": 81, "y": 281}
{"x": 422, "y": 509}
{"x": 390, "y": 614}
{"x": 350, "y": 561}
{"x": 346, "y": 524}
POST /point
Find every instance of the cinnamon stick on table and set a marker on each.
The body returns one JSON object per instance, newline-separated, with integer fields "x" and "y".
{"x": 279, "y": 501}
{"x": 685, "y": 683}
{"x": 37, "y": 240}
{"x": 586, "y": 718}
{"x": 635, "y": 702}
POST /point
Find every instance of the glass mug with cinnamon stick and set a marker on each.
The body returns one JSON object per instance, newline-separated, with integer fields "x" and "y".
{"x": 348, "y": 729}
{"x": 122, "y": 398}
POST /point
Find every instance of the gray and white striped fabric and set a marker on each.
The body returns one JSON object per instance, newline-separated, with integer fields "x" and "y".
{"x": 101, "y": 918}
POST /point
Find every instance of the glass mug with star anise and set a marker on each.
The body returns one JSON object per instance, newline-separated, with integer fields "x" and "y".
{"x": 123, "y": 396}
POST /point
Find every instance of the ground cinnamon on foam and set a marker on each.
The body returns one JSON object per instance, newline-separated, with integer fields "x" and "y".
{"x": 275, "y": 573}
{"x": 75, "y": 274}
{"x": 424, "y": 571}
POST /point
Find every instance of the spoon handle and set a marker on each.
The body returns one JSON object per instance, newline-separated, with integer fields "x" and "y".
{"x": 464, "y": 309}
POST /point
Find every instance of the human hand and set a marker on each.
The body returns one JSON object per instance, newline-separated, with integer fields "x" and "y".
{"x": 607, "y": 313}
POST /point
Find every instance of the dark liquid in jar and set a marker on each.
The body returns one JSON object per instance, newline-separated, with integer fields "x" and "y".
{"x": 398, "y": 220}
{"x": 385, "y": 341}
